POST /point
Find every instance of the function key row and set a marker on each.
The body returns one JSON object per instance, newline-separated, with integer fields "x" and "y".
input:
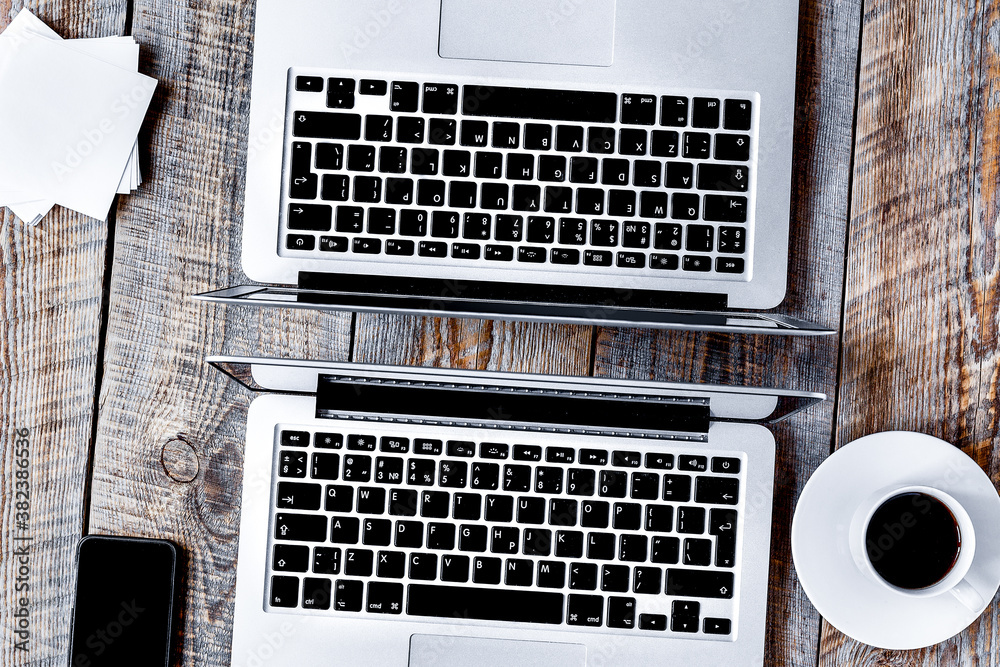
{"x": 447, "y": 99}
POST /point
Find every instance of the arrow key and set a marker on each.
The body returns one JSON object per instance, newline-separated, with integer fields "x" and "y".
{"x": 717, "y": 490}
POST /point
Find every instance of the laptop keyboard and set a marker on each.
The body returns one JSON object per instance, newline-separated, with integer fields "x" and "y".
{"x": 543, "y": 529}
{"x": 595, "y": 183}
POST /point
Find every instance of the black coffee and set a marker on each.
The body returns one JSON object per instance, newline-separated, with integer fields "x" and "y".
{"x": 913, "y": 540}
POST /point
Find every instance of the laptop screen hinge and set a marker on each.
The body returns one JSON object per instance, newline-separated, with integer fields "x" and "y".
{"x": 512, "y": 408}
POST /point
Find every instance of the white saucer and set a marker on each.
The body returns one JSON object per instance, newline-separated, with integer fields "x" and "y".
{"x": 846, "y": 597}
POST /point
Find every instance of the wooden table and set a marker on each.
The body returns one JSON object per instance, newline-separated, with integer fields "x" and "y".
{"x": 894, "y": 243}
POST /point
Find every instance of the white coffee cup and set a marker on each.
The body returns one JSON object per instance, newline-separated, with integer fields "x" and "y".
{"x": 954, "y": 582}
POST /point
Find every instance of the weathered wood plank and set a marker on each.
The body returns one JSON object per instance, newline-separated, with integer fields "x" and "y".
{"x": 921, "y": 322}
{"x": 828, "y": 41}
{"x": 51, "y": 285}
{"x": 165, "y": 416}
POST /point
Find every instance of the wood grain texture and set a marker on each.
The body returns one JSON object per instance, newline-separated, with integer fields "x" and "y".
{"x": 51, "y": 285}
{"x": 828, "y": 42}
{"x": 921, "y": 319}
{"x": 180, "y": 235}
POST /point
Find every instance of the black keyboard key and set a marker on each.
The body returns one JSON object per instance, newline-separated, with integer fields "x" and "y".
{"x": 339, "y": 498}
{"x": 674, "y": 111}
{"x": 601, "y": 546}
{"x": 684, "y": 616}
{"x": 327, "y": 125}
{"x": 622, "y": 459}
{"x": 527, "y": 453}
{"x": 440, "y": 98}
{"x": 633, "y": 548}
{"x": 539, "y": 104}
{"x": 705, "y": 112}
{"x": 732, "y": 147}
{"x": 665, "y": 143}
{"x": 444, "y": 224}
{"x": 371, "y": 501}
{"x": 583, "y": 170}
{"x": 409, "y": 534}
{"x": 309, "y": 84}
{"x": 621, "y": 203}
{"x": 531, "y": 510}
{"x": 310, "y": 217}
{"x": 560, "y": 454}
{"x": 367, "y": 246}
{"x": 659, "y": 518}
{"x": 333, "y": 244}
{"x": 562, "y": 512}
{"x": 423, "y": 566}
{"x": 326, "y": 560}
{"x": 329, "y": 157}
{"x": 348, "y": 595}
{"x": 680, "y": 175}
{"x": 493, "y": 197}
{"x": 295, "y": 496}
{"x": 537, "y": 137}
{"x": 725, "y": 208}
{"x": 638, "y": 110}
{"x": 627, "y": 516}
{"x": 604, "y": 233}
{"x": 717, "y": 490}
{"x": 500, "y": 509}
{"x": 506, "y": 135}
{"x": 580, "y": 482}
{"x": 551, "y": 574}
{"x": 373, "y": 87}
{"x": 583, "y": 576}
{"x": 404, "y": 97}
{"x": 718, "y": 626}
{"x": 474, "y": 132}
{"x": 441, "y": 536}
{"x": 430, "y": 192}
{"x": 382, "y": 220}
{"x": 403, "y": 502}
{"x": 357, "y": 468}
{"x": 505, "y": 540}
{"x": 700, "y": 584}
{"x": 469, "y": 251}
{"x": 431, "y": 249}
{"x": 427, "y": 447}
{"x": 336, "y": 187}
{"x": 590, "y": 201}
{"x": 601, "y": 140}
{"x": 462, "y": 194}
{"x": 692, "y": 463}
{"x": 548, "y": 480}
{"x": 725, "y": 550}
{"x": 486, "y": 570}
{"x": 613, "y": 484}
{"x": 442, "y": 132}
{"x": 394, "y": 445}
{"x": 724, "y": 177}
{"x": 594, "y": 513}
{"x": 541, "y": 230}
{"x": 359, "y": 562}
{"x": 585, "y": 610}
{"x": 489, "y": 165}
{"x": 531, "y": 255}
{"x": 376, "y": 532}
{"x": 656, "y": 461}
{"x": 413, "y": 223}
{"x": 621, "y": 612}
{"x": 378, "y": 128}
{"x": 593, "y": 457}
{"x": 558, "y": 199}
{"x": 435, "y": 504}
{"x": 537, "y": 542}
{"x": 388, "y": 470}
{"x": 509, "y": 228}
{"x": 340, "y": 93}
{"x": 572, "y": 231}
{"x": 569, "y": 138}
{"x": 645, "y": 486}
{"x": 646, "y": 174}
{"x": 615, "y": 172}
{"x": 691, "y": 520}
{"x": 420, "y": 472}
{"x": 647, "y": 581}
{"x": 472, "y": 538}
{"x": 468, "y": 506}
{"x": 486, "y": 604}
{"x": 652, "y": 622}
{"x": 732, "y": 240}
{"x": 685, "y": 206}
{"x": 677, "y": 488}
{"x": 552, "y": 168}
{"x": 299, "y": 242}
{"x": 455, "y": 569}
{"x": 284, "y": 591}
{"x": 565, "y": 256}
{"x": 494, "y": 450}
{"x": 697, "y": 552}
{"x": 367, "y": 189}
{"x": 485, "y": 476}
{"x": 665, "y": 550}
{"x": 300, "y": 527}
{"x": 527, "y": 198}
{"x": 457, "y": 164}
{"x": 633, "y": 142}
{"x": 697, "y": 145}
{"x": 292, "y": 464}
{"x": 725, "y": 465}
{"x": 569, "y": 544}
{"x": 290, "y": 558}
{"x": 739, "y": 115}
{"x": 597, "y": 258}
{"x": 360, "y": 158}
{"x": 694, "y": 263}
{"x": 424, "y": 161}
{"x": 664, "y": 262}
{"x": 385, "y": 597}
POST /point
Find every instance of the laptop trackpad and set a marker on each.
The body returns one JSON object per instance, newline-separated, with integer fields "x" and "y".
{"x": 529, "y": 31}
{"x": 444, "y": 651}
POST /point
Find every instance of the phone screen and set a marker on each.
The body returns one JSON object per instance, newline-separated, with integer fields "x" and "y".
{"x": 124, "y": 602}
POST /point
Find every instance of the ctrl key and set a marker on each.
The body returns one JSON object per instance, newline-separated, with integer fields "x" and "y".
{"x": 586, "y": 610}
{"x": 348, "y": 595}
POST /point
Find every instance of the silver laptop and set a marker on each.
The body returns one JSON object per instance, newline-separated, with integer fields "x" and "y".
{"x": 622, "y": 162}
{"x": 417, "y": 516}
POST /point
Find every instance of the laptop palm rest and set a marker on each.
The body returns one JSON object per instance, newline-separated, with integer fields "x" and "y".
{"x": 554, "y": 32}
{"x": 451, "y": 651}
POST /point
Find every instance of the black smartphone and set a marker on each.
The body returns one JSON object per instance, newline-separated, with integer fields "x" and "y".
{"x": 125, "y": 602}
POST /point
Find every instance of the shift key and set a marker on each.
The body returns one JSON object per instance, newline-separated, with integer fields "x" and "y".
{"x": 326, "y": 125}
{"x": 310, "y": 217}
{"x": 700, "y": 584}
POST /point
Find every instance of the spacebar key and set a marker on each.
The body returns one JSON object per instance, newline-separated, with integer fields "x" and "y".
{"x": 485, "y": 604}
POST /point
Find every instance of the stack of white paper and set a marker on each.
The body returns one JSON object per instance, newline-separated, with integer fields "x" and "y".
{"x": 70, "y": 112}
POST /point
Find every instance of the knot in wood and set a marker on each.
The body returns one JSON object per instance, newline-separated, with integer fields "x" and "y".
{"x": 179, "y": 460}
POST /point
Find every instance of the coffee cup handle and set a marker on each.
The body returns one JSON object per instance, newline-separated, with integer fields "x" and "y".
{"x": 965, "y": 593}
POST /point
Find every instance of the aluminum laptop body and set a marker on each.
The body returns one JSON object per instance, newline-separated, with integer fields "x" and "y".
{"x": 397, "y": 405}
{"x": 704, "y": 51}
